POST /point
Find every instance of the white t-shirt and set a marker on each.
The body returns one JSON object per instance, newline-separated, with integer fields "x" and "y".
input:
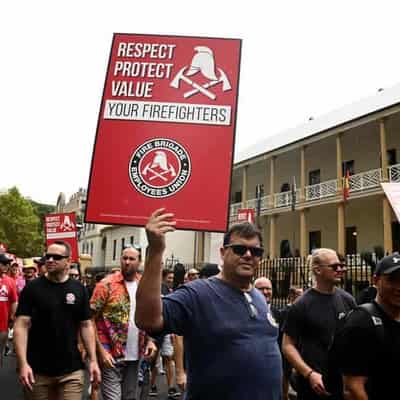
{"x": 132, "y": 344}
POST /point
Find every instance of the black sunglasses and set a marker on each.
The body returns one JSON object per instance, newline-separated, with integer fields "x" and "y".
{"x": 241, "y": 250}
{"x": 55, "y": 257}
{"x": 252, "y": 308}
{"x": 334, "y": 266}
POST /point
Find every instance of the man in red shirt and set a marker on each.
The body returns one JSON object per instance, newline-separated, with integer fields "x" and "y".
{"x": 8, "y": 302}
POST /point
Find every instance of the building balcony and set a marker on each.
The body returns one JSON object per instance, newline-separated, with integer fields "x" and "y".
{"x": 359, "y": 183}
{"x": 365, "y": 180}
{"x": 321, "y": 190}
{"x": 394, "y": 173}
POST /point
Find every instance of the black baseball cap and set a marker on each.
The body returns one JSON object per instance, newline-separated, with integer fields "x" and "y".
{"x": 388, "y": 264}
{"x": 4, "y": 259}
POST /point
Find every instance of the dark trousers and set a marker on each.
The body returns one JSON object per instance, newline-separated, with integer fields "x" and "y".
{"x": 305, "y": 392}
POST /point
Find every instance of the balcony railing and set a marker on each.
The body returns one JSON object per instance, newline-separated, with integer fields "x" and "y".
{"x": 365, "y": 180}
{"x": 251, "y": 203}
{"x": 235, "y": 207}
{"x": 284, "y": 199}
{"x": 265, "y": 203}
{"x": 394, "y": 173}
{"x": 321, "y": 190}
{"x": 358, "y": 182}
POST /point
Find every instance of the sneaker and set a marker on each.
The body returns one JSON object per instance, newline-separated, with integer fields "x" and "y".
{"x": 173, "y": 393}
{"x": 7, "y": 351}
{"x": 153, "y": 391}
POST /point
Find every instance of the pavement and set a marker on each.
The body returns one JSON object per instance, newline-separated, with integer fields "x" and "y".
{"x": 10, "y": 389}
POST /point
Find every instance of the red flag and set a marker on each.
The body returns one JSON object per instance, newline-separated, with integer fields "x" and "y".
{"x": 346, "y": 186}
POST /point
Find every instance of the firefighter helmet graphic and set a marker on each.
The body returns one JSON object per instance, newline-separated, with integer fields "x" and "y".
{"x": 159, "y": 168}
{"x": 67, "y": 224}
{"x": 203, "y": 64}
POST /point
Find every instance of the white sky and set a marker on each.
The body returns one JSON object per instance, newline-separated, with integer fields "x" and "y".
{"x": 299, "y": 59}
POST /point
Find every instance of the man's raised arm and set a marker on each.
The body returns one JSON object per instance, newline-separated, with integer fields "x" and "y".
{"x": 148, "y": 315}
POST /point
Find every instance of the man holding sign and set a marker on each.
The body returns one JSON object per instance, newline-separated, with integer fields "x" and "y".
{"x": 230, "y": 341}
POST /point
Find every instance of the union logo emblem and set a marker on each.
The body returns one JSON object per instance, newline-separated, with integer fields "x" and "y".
{"x": 159, "y": 168}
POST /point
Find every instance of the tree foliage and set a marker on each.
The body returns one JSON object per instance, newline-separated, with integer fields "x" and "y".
{"x": 19, "y": 225}
{"x": 41, "y": 210}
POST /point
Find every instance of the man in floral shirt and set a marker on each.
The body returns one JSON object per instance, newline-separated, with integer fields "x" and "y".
{"x": 120, "y": 343}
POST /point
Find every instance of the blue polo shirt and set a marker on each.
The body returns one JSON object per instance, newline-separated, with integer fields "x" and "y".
{"x": 231, "y": 350}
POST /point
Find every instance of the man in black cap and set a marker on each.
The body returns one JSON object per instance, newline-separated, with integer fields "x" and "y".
{"x": 369, "y": 346}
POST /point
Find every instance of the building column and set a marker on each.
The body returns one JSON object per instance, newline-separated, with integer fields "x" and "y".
{"x": 272, "y": 222}
{"x": 341, "y": 247}
{"x": 339, "y": 162}
{"x": 244, "y": 186}
{"x": 387, "y": 227}
{"x": 200, "y": 247}
{"x": 384, "y": 160}
{"x": 302, "y": 173}
{"x": 264, "y": 232}
{"x": 272, "y": 181}
{"x": 303, "y": 233}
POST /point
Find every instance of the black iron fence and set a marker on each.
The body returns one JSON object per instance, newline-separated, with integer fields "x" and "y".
{"x": 287, "y": 272}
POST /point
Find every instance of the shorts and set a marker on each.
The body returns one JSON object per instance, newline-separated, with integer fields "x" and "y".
{"x": 167, "y": 349}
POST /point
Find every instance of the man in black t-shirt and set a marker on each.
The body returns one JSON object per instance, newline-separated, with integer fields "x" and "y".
{"x": 311, "y": 324}
{"x": 52, "y": 311}
{"x": 367, "y": 295}
{"x": 369, "y": 346}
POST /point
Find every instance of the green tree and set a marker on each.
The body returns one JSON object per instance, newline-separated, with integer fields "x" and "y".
{"x": 41, "y": 210}
{"x": 19, "y": 225}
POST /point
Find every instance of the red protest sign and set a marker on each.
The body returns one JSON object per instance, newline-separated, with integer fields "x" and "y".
{"x": 62, "y": 227}
{"x": 165, "y": 134}
{"x": 245, "y": 215}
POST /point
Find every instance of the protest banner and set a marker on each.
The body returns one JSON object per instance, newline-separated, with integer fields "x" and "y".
{"x": 166, "y": 131}
{"x": 62, "y": 227}
{"x": 246, "y": 215}
{"x": 392, "y": 192}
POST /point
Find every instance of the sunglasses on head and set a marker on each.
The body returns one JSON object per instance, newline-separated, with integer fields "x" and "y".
{"x": 132, "y": 246}
{"x": 334, "y": 266}
{"x": 241, "y": 250}
{"x": 55, "y": 257}
{"x": 252, "y": 308}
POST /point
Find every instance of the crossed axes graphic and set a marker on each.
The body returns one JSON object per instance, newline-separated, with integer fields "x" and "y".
{"x": 160, "y": 175}
{"x": 198, "y": 88}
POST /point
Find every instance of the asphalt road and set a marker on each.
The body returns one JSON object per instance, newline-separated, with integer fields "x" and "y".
{"x": 10, "y": 388}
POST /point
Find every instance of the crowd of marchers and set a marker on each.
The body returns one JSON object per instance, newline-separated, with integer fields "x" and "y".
{"x": 213, "y": 332}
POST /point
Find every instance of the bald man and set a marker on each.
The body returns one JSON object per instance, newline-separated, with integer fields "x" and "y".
{"x": 312, "y": 321}
{"x": 264, "y": 285}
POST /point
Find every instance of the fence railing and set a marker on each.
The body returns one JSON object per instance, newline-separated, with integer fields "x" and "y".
{"x": 284, "y": 199}
{"x": 394, "y": 173}
{"x": 287, "y": 272}
{"x": 321, "y": 190}
{"x": 265, "y": 203}
{"x": 234, "y": 208}
{"x": 358, "y": 182}
{"x": 365, "y": 180}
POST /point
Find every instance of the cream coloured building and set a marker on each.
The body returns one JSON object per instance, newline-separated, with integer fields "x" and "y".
{"x": 362, "y": 138}
{"x": 180, "y": 245}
